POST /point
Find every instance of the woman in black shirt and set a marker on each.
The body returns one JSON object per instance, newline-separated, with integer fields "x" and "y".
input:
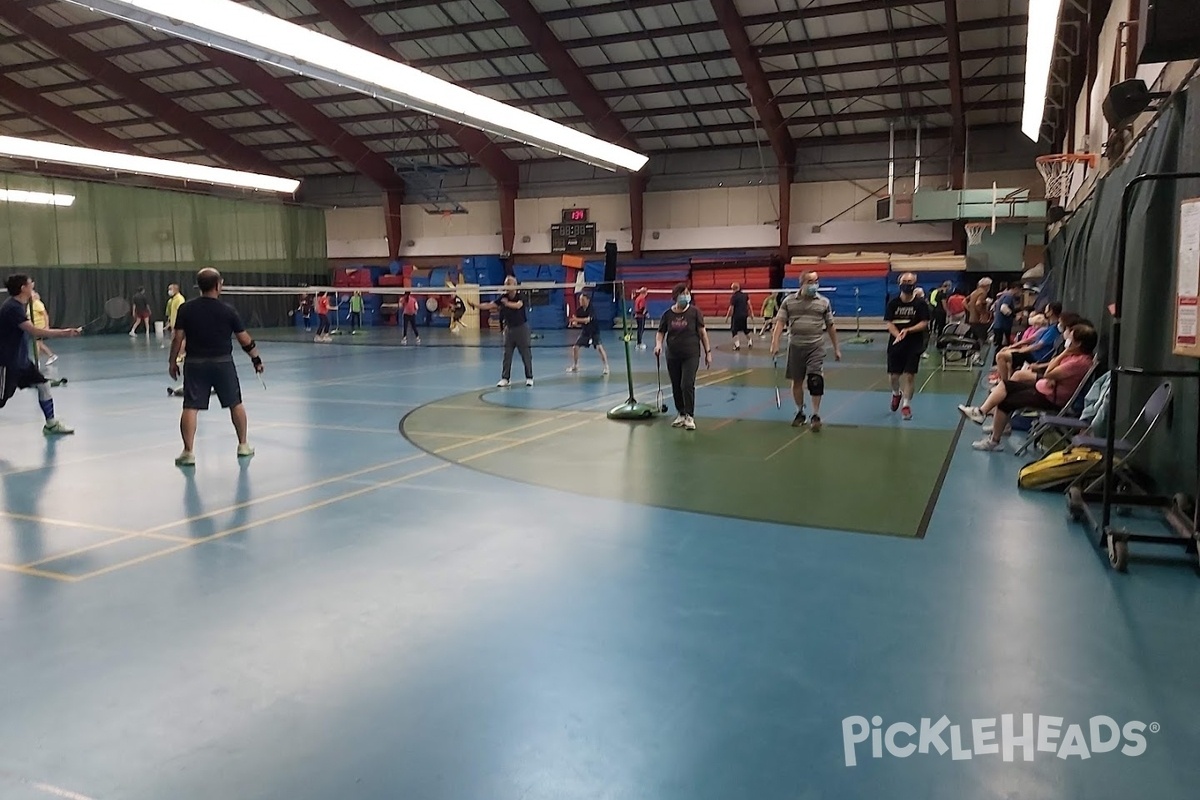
{"x": 682, "y": 330}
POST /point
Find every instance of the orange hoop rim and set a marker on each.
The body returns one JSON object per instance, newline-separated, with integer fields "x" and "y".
{"x": 977, "y": 226}
{"x": 1069, "y": 158}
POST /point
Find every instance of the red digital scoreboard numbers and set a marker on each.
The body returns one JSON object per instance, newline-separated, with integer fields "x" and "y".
{"x": 575, "y": 234}
{"x": 574, "y": 215}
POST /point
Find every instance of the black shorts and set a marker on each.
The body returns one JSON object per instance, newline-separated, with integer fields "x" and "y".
{"x": 588, "y": 339}
{"x": 740, "y": 325}
{"x": 203, "y": 376}
{"x": 1020, "y": 359}
{"x": 1019, "y": 395}
{"x": 21, "y": 378}
{"x": 905, "y": 358}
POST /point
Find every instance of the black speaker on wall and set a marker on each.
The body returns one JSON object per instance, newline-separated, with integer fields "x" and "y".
{"x": 1125, "y": 101}
{"x": 610, "y": 262}
{"x": 1168, "y": 30}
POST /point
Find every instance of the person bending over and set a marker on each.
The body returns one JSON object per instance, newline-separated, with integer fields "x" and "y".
{"x": 207, "y": 326}
{"x": 1050, "y": 393}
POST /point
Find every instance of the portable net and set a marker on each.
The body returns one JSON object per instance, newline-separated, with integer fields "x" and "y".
{"x": 1058, "y": 171}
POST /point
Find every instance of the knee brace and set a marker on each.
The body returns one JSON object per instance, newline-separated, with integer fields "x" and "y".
{"x": 816, "y": 384}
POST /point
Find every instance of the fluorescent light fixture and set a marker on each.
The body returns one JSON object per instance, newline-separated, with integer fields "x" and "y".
{"x": 1041, "y": 33}
{"x": 244, "y": 31}
{"x": 33, "y": 150}
{"x": 36, "y": 198}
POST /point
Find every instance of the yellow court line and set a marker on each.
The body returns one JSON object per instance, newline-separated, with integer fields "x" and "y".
{"x": 285, "y": 493}
{"x": 336, "y": 401}
{"x": 80, "y": 550}
{"x": 38, "y": 573}
{"x": 496, "y": 407}
{"x": 503, "y": 433}
{"x": 63, "y": 523}
{"x": 722, "y": 380}
{"x": 347, "y": 428}
{"x": 520, "y": 442}
{"x": 276, "y": 518}
{"x": 434, "y": 435}
{"x": 802, "y": 433}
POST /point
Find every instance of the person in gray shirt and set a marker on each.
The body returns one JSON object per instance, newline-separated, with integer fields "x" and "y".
{"x": 808, "y": 317}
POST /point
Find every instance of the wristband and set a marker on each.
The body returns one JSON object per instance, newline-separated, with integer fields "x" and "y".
{"x": 249, "y": 347}
{"x": 256, "y": 361}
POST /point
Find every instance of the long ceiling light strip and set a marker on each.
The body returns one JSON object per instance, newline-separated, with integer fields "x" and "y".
{"x": 50, "y": 152}
{"x": 1042, "y": 34}
{"x": 244, "y": 31}
{"x": 36, "y": 198}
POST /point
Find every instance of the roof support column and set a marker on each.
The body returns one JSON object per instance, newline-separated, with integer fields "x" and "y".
{"x": 785, "y": 212}
{"x": 958, "y": 121}
{"x": 393, "y": 204}
{"x": 508, "y": 217}
{"x": 637, "y": 211}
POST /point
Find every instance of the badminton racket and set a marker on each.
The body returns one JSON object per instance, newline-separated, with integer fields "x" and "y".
{"x": 775, "y": 380}
{"x": 115, "y": 308}
{"x": 660, "y": 402}
{"x": 262, "y": 380}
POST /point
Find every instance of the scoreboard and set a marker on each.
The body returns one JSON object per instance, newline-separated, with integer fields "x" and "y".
{"x": 574, "y": 234}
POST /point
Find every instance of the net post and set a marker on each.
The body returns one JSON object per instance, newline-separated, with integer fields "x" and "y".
{"x": 631, "y": 409}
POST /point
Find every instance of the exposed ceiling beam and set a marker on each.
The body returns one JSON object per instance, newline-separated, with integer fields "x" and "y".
{"x": 594, "y": 107}
{"x": 475, "y": 143}
{"x": 958, "y": 119}
{"x": 777, "y": 50}
{"x": 812, "y": 145}
{"x": 190, "y": 126}
{"x": 60, "y": 119}
{"x": 321, "y": 128}
{"x": 766, "y": 106}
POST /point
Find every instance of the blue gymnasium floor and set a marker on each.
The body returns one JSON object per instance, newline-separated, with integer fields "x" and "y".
{"x": 363, "y": 619}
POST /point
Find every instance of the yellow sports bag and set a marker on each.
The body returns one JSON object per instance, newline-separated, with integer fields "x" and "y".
{"x": 1058, "y": 469}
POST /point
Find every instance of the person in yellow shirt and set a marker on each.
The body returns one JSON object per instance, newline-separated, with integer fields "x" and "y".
{"x": 41, "y": 319}
{"x": 173, "y": 303}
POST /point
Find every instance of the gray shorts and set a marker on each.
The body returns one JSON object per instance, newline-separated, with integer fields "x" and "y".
{"x": 804, "y": 360}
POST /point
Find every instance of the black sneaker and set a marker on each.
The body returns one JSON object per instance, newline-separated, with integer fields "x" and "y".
{"x": 816, "y": 423}
{"x": 799, "y": 419}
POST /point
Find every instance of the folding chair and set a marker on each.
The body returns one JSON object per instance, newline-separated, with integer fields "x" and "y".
{"x": 957, "y": 347}
{"x": 1066, "y": 421}
{"x": 1125, "y": 446}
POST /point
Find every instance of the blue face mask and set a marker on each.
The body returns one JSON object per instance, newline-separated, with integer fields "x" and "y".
{"x": 811, "y": 290}
{"x": 685, "y": 300}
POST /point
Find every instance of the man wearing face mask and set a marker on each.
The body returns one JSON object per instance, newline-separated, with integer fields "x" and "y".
{"x": 907, "y": 318}
{"x": 514, "y": 318}
{"x": 808, "y": 317}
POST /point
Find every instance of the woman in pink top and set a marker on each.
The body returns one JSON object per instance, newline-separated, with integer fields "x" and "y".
{"x": 1050, "y": 393}
{"x": 1037, "y": 323}
{"x": 408, "y": 305}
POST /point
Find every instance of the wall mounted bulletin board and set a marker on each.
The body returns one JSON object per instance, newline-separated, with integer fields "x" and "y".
{"x": 1187, "y": 280}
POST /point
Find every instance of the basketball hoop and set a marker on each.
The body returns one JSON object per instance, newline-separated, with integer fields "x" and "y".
{"x": 1058, "y": 170}
{"x": 975, "y": 231}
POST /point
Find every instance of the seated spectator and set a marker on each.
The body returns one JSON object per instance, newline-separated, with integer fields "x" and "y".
{"x": 1033, "y": 326}
{"x": 956, "y": 308}
{"x": 1037, "y": 350}
{"x": 1049, "y": 393}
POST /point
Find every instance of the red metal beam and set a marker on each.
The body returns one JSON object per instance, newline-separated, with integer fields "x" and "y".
{"x": 475, "y": 143}
{"x": 190, "y": 126}
{"x": 573, "y": 78}
{"x": 637, "y": 211}
{"x": 296, "y": 108}
{"x": 59, "y": 118}
{"x": 393, "y": 205}
{"x": 761, "y": 96}
{"x": 508, "y": 217}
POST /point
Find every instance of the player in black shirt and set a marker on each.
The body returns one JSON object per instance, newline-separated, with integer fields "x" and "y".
{"x": 207, "y": 325}
{"x": 141, "y": 311}
{"x": 739, "y": 314}
{"x": 514, "y": 319}
{"x": 907, "y": 318}
{"x": 589, "y": 336}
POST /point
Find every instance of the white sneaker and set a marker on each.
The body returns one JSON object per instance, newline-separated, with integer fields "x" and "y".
{"x": 749, "y": 343}
{"x": 973, "y": 414}
{"x": 404, "y": 340}
{"x": 529, "y": 381}
{"x": 56, "y": 428}
{"x": 679, "y": 421}
{"x": 573, "y": 368}
{"x": 988, "y": 445}
{"x": 737, "y": 347}
{"x": 642, "y": 346}
{"x": 245, "y": 451}
{"x": 689, "y": 423}
{"x": 502, "y": 383}
{"x": 605, "y": 370}
{"x": 51, "y": 360}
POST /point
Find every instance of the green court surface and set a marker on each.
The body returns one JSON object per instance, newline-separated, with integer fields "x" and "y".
{"x": 861, "y": 478}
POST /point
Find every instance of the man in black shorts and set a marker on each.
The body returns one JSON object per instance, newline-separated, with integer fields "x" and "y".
{"x": 207, "y": 325}
{"x": 589, "y": 336}
{"x": 739, "y": 316}
{"x": 18, "y": 362}
{"x": 907, "y": 318}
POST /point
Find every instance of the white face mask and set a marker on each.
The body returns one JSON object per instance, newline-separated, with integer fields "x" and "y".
{"x": 1068, "y": 342}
